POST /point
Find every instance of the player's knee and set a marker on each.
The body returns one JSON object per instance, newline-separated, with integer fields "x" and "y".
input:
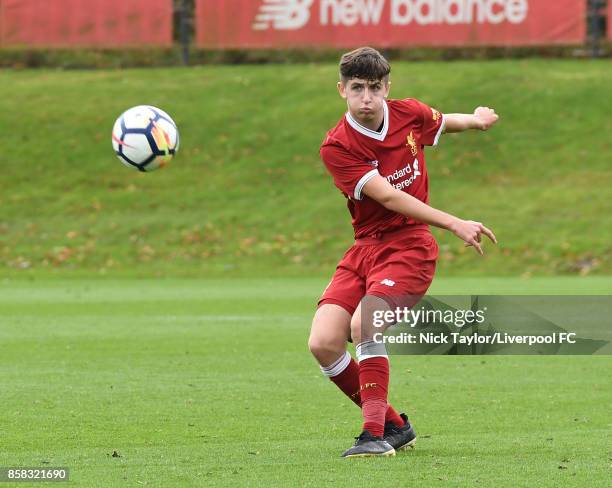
{"x": 356, "y": 331}
{"x": 319, "y": 346}
{"x": 361, "y": 330}
{"x": 325, "y": 349}
{"x": 329, "y": 333}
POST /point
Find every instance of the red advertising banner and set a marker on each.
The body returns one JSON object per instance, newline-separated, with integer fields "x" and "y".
{"x": 609, "y": 22}
{"x": 84, "y": 23}
{"x": 388, "y": 23}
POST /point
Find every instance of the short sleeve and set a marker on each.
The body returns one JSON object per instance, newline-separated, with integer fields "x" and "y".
{"x": 432, "y": 124}
{"x": 350, "y": 174}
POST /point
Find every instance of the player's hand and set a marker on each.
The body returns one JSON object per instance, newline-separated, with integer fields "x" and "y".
{"x": 471, "y": 232}
{"x": 485, "y": 117}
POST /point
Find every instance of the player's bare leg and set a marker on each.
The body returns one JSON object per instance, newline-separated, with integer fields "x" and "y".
{"x": 328, "y": 339}
{"x": 329, "y": 333}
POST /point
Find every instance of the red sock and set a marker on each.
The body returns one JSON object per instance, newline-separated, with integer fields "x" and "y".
{"x": 348, "y": 382}
{"x": 374, "y": 383}
{"x": 392, "y": 416}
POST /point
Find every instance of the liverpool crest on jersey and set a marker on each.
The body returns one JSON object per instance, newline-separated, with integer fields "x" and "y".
{"x": 410, "y": 141}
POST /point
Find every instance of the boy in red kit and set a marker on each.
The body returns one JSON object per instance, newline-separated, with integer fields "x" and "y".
{"x": 375, "y": 156}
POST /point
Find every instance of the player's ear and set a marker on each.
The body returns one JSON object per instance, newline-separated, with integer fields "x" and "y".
{"x": 341, "y": 89}
{"x": 387, "y": 88}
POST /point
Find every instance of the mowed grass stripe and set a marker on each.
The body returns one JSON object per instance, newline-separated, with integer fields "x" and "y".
{"x": 190, "y": 396}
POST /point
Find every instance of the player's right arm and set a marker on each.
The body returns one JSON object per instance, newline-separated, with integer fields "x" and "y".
{"x": 379, "y": 189}
{"x": 483, "y": 118}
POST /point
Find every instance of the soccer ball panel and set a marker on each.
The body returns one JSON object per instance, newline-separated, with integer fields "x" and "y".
{"x": 158, "y": 162}
{"x": 165, "y": 136}
{"x": 163, "y": 114}
{"x": 136, "y": 148}
{"x": 138, "y": 117}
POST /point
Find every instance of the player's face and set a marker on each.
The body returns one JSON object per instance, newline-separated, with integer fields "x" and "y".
{"x": 365, "y": 99}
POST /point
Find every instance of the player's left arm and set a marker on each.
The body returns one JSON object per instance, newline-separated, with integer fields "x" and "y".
{"x": 483, "y": 118}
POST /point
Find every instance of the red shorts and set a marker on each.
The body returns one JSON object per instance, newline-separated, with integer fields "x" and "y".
{"x": 395, "y": 266}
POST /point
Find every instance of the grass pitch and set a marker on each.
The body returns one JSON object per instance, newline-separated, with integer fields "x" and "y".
{"x": 210, "y": 383}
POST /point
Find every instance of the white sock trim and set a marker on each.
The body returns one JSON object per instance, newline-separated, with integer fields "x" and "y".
{"x": 370, "y": 349}
{"x": 337, "y": 366}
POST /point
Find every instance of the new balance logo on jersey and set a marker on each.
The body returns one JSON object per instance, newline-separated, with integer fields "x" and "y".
{"x": 387, "y": 282}
{"x": 373, "y": 163}
{"x": 282, "y": 14}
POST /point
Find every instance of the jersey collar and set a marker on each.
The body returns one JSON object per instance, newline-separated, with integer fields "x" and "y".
{"x": 379, "y": 136}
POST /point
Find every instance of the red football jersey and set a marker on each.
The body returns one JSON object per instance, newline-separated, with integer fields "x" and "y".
{"x": 353, "y": 154}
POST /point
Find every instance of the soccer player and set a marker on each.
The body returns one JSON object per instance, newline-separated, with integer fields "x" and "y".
{"x": 375, "y": 156}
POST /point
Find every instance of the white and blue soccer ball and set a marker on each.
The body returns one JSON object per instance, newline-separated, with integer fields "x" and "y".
{"x": 145, "y": 138}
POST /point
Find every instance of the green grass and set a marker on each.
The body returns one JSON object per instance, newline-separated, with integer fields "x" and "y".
{"x": 247, "y": 194}
{"x": 209, "y": 383}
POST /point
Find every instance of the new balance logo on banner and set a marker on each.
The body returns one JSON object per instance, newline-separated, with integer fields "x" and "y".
{"x": 264, "y": 24}
{"x": 282, "y": 14}
{"x": 295, "y": 14}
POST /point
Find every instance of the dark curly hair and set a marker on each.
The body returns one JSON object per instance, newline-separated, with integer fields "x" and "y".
{"x": 365, "y": 63}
